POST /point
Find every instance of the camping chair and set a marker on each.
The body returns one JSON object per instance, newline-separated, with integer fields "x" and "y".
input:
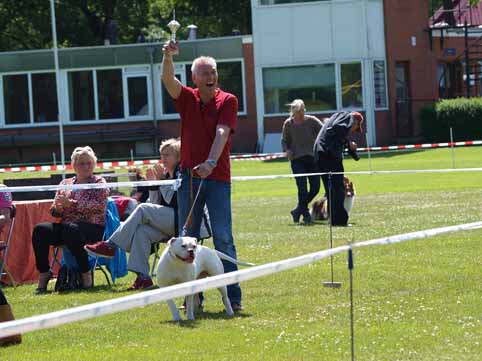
{"x": 116, "y": 266}
{"x": 4, "y": 247}
{"x": 205, "y": 233}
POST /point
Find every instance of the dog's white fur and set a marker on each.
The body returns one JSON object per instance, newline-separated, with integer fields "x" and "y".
{"x": 184, "y": 260}
{"x": 319, "y": 209}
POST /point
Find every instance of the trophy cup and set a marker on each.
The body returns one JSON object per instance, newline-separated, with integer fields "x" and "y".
{"x": 173, "y": 26}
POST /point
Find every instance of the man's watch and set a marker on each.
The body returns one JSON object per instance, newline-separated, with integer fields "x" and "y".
{"x": 212, "y": 162}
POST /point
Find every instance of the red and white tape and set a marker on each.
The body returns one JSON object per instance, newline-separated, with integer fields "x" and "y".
{"x": 237, "y": 157}
{"x": 422, "y": 146}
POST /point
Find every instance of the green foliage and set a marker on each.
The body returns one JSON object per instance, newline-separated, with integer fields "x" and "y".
{"x": 25, "y": 24}
{"x": 462, "y": 114}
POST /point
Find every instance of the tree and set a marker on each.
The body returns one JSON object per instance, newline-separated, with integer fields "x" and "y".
{"x": 24, "y": 24}
{"x": 212, "y": 17}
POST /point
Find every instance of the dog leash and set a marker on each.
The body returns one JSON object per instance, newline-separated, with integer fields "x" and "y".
{"x": 189, "y": 215}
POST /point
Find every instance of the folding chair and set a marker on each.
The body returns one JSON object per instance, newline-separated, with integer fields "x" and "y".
{"x": 205, "y": 233}
{"x": 117, "y": 266}
{"x": 4, "y": 247}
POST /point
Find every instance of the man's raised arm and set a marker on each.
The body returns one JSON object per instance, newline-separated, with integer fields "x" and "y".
{"x": 172, "y": 84}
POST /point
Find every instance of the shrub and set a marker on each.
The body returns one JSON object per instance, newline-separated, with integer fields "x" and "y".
{"x": 462, "y": 114}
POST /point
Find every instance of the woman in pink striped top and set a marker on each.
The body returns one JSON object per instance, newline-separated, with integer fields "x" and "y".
{"x": 82, "y": 219}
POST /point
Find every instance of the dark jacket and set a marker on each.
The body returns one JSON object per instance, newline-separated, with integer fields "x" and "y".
{"x": 166, "y": 197}
{"x": 332, "y": 137}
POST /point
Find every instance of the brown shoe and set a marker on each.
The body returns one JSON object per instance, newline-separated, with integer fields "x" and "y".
{"x": 141, "y": 284}
{"x": 237, "y": 307}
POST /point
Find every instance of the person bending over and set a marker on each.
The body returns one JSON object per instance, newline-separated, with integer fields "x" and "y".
{"x": 149, "y": 222}
{"x": 82, "y": 219}
{"x": 329, "y": 146}
{"x": 298, "y": 137}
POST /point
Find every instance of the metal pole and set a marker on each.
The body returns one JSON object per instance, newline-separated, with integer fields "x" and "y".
{"x": 369, "y": 154}
{"x": 60, "y": 117}
{"x": 352, "y": 318}
{"x": 331, "y": 283}
{"x": 132, "y": 155}
{"x": 452, "y": 147}
{"x": 467, "y": 70}
{"x": 151, "y": 50}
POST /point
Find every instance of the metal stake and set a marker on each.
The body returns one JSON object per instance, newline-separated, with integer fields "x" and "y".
{"x": 452, "y": 147}
{"x": 332, "y": 283}
{"x": 352, "y": 319}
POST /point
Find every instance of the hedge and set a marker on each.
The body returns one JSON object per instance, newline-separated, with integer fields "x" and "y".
{"x": 464, "y": 115}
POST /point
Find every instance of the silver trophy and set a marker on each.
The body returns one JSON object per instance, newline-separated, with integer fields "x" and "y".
{"x": 174, "y": 26}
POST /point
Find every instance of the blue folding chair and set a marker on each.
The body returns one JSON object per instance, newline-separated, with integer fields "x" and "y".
{"x": 116, "y": 266}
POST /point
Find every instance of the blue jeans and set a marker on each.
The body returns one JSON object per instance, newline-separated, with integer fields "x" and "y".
{"x": 302, "y": 165}
{"x": 216, "y": 196}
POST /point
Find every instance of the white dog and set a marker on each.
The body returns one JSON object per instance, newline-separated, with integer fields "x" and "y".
{"x": 184, "y": 260}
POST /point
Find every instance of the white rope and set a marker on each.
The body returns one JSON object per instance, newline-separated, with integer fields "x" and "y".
{"x": 235, "y": 179}
{"x": 55, "y": 187}
{"x": 85, "y": 312}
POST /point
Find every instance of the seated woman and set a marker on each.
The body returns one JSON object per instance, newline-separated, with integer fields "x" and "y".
{"x": 82, "y": 219}
{"x": 149, "y": 222}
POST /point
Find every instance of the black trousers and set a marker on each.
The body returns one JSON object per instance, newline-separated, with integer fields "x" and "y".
{"x": 302, "y": 165}
{"x": 336, "y": 198}
{"x": 73, "y": 235}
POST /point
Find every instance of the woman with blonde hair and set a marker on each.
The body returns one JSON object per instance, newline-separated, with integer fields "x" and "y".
{"x": 82, "y": 219}
{"x": 298, "y": 138}
{"x": 150, "y": 222}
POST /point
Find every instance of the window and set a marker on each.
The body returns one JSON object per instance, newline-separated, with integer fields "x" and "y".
{"x": 315, "y": 84}
{"x": 230, "y": 79}
{"x": 351, "y": 85}
{"x": 167, "y": 102}
{"x": 110, "y": 94}
{"x": 44, "y": 94}
{"x": 137, "y": 95}
{"x": 380, "y": 84}
{"x": 81, "y": 95}
{"x": 16, "y": 98}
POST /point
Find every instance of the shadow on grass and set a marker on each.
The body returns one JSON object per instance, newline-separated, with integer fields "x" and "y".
{"x": 204, "y": 315}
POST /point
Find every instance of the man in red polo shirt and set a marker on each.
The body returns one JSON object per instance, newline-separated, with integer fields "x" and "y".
{"x": 208, "y": 120}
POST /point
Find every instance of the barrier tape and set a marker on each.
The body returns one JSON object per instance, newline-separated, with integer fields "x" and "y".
{"x": 146, "y": 298}
{"x": 236, "y": 157}
{"x": 236, "y": 178}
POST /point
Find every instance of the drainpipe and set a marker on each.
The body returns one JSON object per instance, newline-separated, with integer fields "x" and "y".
{"x": 151, "y": 50}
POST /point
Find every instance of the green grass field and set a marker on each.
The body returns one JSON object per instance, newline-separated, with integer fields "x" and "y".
{"x": 416, "y": 300}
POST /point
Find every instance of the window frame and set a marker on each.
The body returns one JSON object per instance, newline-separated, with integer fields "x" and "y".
{"x": 31, "y": 123}
{"x": 154, "y": 95}
{"x": 137, "y": 73}
{"x": 125, "y": 73}
{"x": 338, "y": 86}
{"x": 387, "y": 107}
{"x": 340, "y": 90}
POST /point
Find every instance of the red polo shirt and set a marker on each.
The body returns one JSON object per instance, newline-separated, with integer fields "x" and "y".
{"x": 198, "y": 128}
